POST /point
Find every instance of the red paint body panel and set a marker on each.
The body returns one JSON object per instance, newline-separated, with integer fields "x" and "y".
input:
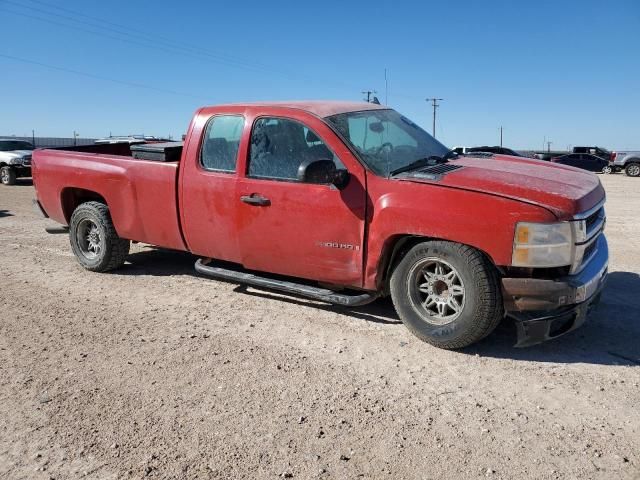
{"x": 141, "y": 194}
{"x": 563, "y": 190}
{"x": 313, "y": 231}
{"x": 486, "y": 222}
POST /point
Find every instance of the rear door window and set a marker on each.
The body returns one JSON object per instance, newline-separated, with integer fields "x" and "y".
{"x": 221, "y": 141}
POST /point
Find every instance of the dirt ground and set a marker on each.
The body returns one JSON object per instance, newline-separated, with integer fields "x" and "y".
{"x": 154, "y": 372}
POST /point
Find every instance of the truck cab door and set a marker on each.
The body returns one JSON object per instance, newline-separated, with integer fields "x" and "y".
{"x": 208, "y": 190}
{"x": 286, "y": 226}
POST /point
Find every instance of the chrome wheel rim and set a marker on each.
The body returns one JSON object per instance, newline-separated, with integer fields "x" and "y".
{"x": 634, "y": 170}
{"x": 4, "y": 175}
{"x": 606, "y": 170}
{"x": 89, "y": 239}
{"x": 436, "y": 290}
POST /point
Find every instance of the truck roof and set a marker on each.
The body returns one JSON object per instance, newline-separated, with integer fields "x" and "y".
{"x": 321, "y": 108}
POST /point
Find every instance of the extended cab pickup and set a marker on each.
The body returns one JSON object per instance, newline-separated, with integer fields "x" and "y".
{"x": 343, "y": 203}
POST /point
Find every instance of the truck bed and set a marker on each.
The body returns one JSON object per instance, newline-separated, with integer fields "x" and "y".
{"x": 141, "y": 194}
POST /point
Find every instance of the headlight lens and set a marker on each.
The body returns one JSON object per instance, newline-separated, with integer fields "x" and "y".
{"x": 542, "y": 245}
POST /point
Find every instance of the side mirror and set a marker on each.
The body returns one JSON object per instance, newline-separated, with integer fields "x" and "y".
{"x": 323, "y": 172}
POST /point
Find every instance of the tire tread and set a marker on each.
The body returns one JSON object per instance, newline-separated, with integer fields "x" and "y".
{"x": 116, "y": 248}
{"x": 489, "y": 312}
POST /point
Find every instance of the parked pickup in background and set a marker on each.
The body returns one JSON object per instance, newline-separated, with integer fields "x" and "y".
{"x": 15, "y": 160}
{"x": 627, "y": 161}
{"x": 344, "y": 203}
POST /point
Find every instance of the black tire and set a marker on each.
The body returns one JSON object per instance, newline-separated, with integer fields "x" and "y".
{"x": 8, "y": 175}
{"x": 608, "y": 169}
{"x": 481, "y": 308}
{"x": 94, "y": 240}
{"x": 632, "y": 169}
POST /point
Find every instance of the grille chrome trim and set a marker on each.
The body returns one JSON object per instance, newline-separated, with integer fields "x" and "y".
{"x": 587, "y": 228}
{"x": 588, "y": 213}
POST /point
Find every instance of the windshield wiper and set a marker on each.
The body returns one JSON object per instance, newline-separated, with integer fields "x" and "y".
{"x": 450, "y": 154}
{"x": 421, "y": 162}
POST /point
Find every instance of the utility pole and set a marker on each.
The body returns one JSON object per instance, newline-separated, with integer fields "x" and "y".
{"x": 549, "y": 146}
{"x": 75, "y": 137}
{"x": 500, "y": 137}
{"x": 33, "y": 137}
{"x": 435, "y": 105}
{"x": 368, "y": 93}
{"x": 386, "y": 88}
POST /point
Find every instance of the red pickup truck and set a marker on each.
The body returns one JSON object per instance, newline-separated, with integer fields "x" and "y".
{"x": 345, "y": 202}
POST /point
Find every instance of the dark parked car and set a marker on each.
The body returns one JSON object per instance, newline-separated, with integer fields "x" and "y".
{"x": 583, "y": 160}
{"x": 486, "y": 149}
{"x": 496, "y": 149}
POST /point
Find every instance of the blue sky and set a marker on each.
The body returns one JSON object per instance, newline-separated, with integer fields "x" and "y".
{"x": 565, "y": 70}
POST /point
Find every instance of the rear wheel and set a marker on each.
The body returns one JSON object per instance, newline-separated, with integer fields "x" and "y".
{"x": 632, "y": 169}
{"x": 607, "y": 169}
{"x": 447, "y": 294}
{"x": 94, "y": 240}
{"x": 8, "y": 175}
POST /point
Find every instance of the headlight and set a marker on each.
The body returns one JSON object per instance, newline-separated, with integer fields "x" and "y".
{"x": 542, "y": 245}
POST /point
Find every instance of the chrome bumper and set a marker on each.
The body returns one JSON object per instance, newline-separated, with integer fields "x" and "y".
{"x": 545, "y": 309}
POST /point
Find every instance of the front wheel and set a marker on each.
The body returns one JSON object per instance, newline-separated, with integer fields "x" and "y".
{"x": 447, "y": 294}
{"x": 8, "y": 175}
{"x": 94, "y": 239}
{"x": 632, "y": 169}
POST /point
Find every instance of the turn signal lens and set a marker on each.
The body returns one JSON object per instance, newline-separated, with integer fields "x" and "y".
{"x": 542, "y": 245}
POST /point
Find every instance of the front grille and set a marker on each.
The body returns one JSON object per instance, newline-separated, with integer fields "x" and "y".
{"x": 593, "y": 218}
{"x": 589, "y": 251}
{"x": 587, "y": 228}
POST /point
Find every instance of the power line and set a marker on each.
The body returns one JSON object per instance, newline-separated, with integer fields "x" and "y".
{"x": 434, "y": 103}
{"x": 130, "y": 31}
{"x": 74, "y": 20}
{"x": 167, "y": 49}
{"x": 140, "y": 38}
{"x": 99, "y": 77}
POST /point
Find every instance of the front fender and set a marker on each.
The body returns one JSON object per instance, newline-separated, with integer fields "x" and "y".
{"x": 483, "y": 221}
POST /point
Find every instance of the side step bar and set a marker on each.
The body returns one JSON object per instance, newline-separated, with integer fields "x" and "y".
{"x": 56, "y": 230}
{"x": 316, "y": 293}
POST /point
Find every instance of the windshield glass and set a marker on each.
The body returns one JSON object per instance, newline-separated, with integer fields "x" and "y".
{"x": 385, "y": 140}
{"x": 9, "y": 145}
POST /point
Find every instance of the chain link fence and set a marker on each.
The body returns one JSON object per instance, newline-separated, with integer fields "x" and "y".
{"x": 52, "y": 142}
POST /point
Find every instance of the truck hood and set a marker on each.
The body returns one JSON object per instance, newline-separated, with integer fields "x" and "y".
{"x": 563, "y": 190}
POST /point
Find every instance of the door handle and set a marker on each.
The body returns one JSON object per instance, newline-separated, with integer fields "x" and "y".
{"x": 256, "y": 199}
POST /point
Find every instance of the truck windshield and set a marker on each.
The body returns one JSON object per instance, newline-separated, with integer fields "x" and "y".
{"x": 386, "y": 141}
{"x": 10, "y": 145}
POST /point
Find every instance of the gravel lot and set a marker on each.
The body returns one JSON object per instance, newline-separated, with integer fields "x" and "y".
{"x": 154, "y": 372}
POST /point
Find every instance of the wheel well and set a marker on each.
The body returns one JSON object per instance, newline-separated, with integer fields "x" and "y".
{"x": 396, "y": 248}
{"x": 72, "y": 197}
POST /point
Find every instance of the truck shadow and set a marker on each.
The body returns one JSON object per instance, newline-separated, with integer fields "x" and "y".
{"x": 5, "y": 213}
{"x": 23, "y": 182}
{"x": 162, "y": 262}
{"x": 609, "y": 337}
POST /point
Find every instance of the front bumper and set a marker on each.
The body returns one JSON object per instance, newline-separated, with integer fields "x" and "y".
{"x": 545, "y": 309}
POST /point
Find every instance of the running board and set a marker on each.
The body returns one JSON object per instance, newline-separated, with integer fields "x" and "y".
{"x": 316, "y": 293}
{"x": 57, "y": 230}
